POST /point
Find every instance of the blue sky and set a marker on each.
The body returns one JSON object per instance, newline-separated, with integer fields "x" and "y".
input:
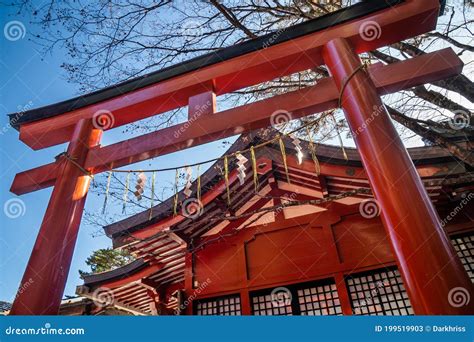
{"x": 31, "y": 80}
{"x": 28, "y": 79}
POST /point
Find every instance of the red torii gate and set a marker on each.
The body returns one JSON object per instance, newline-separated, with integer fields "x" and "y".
{"x": 428, "y": 264}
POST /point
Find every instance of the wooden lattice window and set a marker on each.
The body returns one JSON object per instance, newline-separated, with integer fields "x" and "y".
{"x": 378, "y": 292}
{"x": 319, "y": 300}
{"x": 315, "y": 298}
{"x": 464, "y": 246}
{"x": 270, "y": 303}
{"x": 222, "y": 306}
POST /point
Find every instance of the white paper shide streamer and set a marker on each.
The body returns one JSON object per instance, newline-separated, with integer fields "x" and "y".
{"x": 140, "y": 186}
{"x": 187, "y": 188}
{"x": 299, "y": 151}
{"x": 241, "y": 160}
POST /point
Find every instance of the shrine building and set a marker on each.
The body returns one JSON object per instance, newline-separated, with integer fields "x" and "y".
{"x": 328, "y": 255}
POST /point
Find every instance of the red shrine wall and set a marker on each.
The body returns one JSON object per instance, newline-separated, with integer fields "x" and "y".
{"x": 330, "y": 244}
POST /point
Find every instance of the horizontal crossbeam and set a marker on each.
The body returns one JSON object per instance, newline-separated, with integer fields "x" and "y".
{"x": 405, "y": 20}
{"x": 84, "y": 292}
{"x": 322, "y": 96}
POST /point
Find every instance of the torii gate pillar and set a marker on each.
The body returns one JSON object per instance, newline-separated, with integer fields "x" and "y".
{"x": 49, "y": 263}
{"x": 429, "y": 266}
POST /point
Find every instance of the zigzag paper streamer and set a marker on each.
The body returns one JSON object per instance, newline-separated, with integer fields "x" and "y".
{"x": 187, "y": 188}
{"x": 241, "y": 160}
{"x": 283, "y": 156}
{"x": 299, "y": 151}
{"x": 140, "y": 186}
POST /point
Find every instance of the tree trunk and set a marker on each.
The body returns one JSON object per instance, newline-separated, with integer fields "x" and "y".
{"x": 456, "y": 150}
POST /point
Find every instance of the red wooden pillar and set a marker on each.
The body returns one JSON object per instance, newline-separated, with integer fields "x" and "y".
{"x": 188, "y": 283}
{"x": 48, "y": 266}
{"x": 344, "y": 296}
{"x": 245, "y": 304}
{"x": 427, "y": 261}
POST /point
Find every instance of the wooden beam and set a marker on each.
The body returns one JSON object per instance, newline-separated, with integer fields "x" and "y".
{"x": 152, "y": 293}
{"x": 322, "y": 96}
{"x": 148, "y": 284}
{"x": 324, "y": 185}
{"x": 83, "y": 291}
{"x": 155, "y": 301}
{"x": 201, "y": 104}
{"x": 408, "y": 19}
{"x": 393, "y": 77}
{"x": 143, "y": 273}
{"x": 35, "y": 179}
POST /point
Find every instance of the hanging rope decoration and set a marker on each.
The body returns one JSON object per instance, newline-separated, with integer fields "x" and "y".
{"x": 339, "y": 136}
{"x": 251, "y": 149}
{"x": 226, "y": 178}
{"x": 188, "y": 182}
{"x": 198, "y": 186}
{"x": 241, "y": 160}
{"x": 361, "y": 67}
{"x": 125, "y": 192}
{"x": 254, "y": 168}
{"x": 241, "y": 169}
{"x": 140, "y": 186}
{"x": 283, "y": 156}
{"x": 73, "y": 161}
{"x": 299, "y": 151}
{"x": 107, "y": 188}
{"x": 312, "y": 148}
{"x": 153, "y": 176}
{"x": 175, "y": 202}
